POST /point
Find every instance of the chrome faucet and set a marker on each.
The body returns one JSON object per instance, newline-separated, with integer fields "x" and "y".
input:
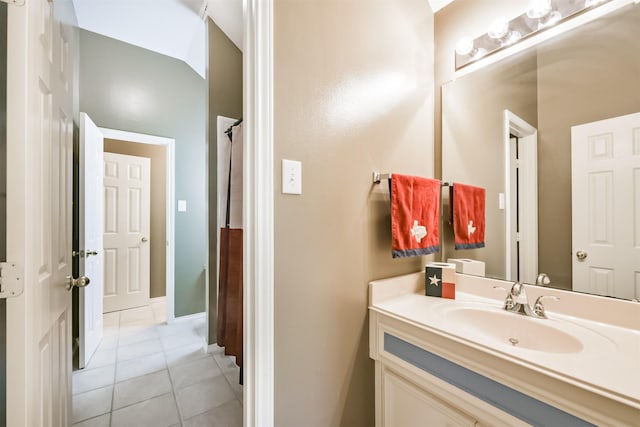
{"x": 517, "y": 302}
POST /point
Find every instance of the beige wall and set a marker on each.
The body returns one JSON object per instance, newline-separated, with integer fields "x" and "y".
{"x": 353, "y": 94}
{"x": 224, "y": 79}
{"x": 158, "y": 156}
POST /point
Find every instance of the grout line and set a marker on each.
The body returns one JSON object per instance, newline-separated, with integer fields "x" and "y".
{"x": 173, "y": 392}
{"x": 166, "y": 393}
{"x": 231, "y": 386}
{"x": 93, "y": 417}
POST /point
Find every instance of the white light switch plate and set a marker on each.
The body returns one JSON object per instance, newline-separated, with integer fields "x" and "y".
{"x": 291, "y": 177}
{"x": 182, "y": 205}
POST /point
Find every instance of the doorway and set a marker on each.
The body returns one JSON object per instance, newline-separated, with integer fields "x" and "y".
{"x": 160, "y": 151}
{"x": 521, "y": 198}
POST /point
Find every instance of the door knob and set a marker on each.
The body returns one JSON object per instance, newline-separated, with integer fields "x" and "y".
{"x": 581, "y": 255}
{"x": 144, "y": 239}
{"x": 89, "y": 253}
{"x": 80, "y": 282}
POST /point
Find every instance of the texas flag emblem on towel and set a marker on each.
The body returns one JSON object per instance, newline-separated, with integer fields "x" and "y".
{"x": 415, "y": 203}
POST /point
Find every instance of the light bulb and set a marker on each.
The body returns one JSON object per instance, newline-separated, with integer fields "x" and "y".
{"x": 513, "y": 37}
{"x": 464, "y": 46}
{"x": 551, "y": 20}
{"x": 538, "y": 8}
{"x": 499, "y": 28}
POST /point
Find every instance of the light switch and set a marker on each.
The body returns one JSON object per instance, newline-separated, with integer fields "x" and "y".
{"x": 291, "y": 177}
{"x": 182, "y": 205}
{"x": 501, "y": 201}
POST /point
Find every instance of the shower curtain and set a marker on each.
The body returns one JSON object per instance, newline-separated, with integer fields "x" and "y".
{"x": 230, "y": 285}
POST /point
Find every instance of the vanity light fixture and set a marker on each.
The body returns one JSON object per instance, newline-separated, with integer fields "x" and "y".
{"x": 539, "y": 16}
{"x": 542, "y": 14}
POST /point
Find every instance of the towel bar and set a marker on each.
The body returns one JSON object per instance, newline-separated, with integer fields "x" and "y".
{"x": 377, "y": 177}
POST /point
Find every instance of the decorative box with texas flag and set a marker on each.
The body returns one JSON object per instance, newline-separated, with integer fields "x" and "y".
{"x": 440, "y": 280}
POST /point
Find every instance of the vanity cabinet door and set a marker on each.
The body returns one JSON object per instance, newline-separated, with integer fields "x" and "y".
{"x": 406, "y": 405}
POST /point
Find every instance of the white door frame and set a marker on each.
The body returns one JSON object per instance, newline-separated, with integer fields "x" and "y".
{"x": 514, "y": 125}
{"x": 258, "y": 191}
{"x": 169, "y": 143}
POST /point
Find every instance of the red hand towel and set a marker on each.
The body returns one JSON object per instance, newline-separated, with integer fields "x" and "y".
{"x": 415, "y": 203}
{"x": 468, "y": 216}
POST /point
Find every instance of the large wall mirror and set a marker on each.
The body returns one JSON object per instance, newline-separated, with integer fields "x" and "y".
{"x": 510, "y": 128}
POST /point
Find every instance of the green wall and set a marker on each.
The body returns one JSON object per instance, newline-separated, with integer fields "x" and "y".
{"x": 133, "y": 89}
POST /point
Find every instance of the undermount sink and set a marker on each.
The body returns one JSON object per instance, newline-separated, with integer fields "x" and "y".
{"x": 514, "y": 330}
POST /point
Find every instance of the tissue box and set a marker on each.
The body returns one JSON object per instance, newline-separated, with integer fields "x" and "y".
{"x": 440, "y": 280}
{"x": 468, "y": 266}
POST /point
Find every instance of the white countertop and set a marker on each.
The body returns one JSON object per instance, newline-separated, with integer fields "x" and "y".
{"x": 608, "y": 364}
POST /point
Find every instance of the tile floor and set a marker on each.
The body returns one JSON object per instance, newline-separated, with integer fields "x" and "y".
{"x": 148, "y": 373}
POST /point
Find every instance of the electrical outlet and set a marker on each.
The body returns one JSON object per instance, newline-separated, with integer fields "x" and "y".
{"x": 291, "y": 177}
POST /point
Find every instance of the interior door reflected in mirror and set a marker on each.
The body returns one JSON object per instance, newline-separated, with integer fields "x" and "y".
{"x": 587, "y": 75}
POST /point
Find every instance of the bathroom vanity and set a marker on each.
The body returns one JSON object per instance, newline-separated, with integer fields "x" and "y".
{"x": 468, "y": 362}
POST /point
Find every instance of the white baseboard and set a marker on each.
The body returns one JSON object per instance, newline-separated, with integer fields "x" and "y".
{"x": 193, "y": 316}
{"x": 157, "y": 300}
{"x": 214, "y": 348}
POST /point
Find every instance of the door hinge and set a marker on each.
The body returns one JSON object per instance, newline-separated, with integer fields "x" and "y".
{"x": 11, "y": 280}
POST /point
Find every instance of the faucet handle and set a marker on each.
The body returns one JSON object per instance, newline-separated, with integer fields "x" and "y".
{"x": 538, "y": 308}
{"x": 509, "y": 302}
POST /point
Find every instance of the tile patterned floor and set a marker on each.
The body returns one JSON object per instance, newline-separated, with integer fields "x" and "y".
{"x": 148, "y": 373}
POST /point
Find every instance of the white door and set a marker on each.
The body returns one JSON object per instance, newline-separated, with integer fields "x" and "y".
{"x": 521, "y": 148}
{"x": 91, "y": 220}
{"x": 127, "y": 182}
{"x": 605, "y": 165}
{"x": 39, "y": 204}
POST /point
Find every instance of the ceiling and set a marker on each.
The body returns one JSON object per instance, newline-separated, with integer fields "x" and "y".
{"x": 436, "y": 5}
{"x": 170, "y": 27}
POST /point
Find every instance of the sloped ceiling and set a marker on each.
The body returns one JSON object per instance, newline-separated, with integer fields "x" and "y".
{"x": 171, "y": 27}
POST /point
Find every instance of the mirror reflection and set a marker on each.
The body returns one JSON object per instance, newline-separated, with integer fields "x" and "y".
{"x": 510, "y": 128}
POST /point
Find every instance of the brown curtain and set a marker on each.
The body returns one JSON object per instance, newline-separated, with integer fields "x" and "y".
{"x": 230, "y": 299}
